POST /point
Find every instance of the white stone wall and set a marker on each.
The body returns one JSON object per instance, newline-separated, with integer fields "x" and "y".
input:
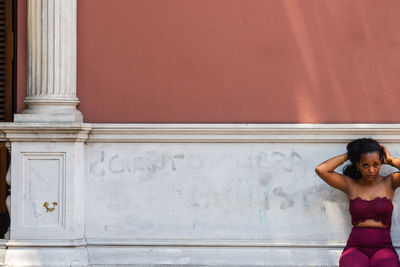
{"x": 210, "y": 195}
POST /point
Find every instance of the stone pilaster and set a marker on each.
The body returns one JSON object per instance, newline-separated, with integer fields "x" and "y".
{"x": 51, "y": 95}
{"x": 47, "y": 194}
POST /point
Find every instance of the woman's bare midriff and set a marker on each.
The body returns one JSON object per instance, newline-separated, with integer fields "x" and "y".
{"x": 371, "y": 223}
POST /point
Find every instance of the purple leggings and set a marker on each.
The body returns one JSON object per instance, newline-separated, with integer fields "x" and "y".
{"x": 369, "y": 247}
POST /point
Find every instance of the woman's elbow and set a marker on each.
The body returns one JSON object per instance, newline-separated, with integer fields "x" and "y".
{"x": 318, "y": 170}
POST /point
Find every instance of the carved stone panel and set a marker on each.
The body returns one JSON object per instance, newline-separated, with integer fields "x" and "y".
{"x": 43, "y": 189}
{"x": 47, "y": 190}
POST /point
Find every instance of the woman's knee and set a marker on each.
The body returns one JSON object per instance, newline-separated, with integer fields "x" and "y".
{"x": 353, "y": 257}
{"x": 385, "y": 257}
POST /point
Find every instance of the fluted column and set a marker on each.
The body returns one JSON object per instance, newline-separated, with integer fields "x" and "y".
{"x": 51, "y": 95}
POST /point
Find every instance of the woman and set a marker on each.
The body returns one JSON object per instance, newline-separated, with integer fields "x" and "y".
{"x": 371, "y": 207}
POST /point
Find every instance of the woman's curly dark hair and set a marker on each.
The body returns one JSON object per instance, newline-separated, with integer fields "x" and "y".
{"x": 355, "y": 149}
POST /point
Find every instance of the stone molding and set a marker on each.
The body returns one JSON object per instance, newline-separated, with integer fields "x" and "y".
{"x": 45, "y": 243}
{"x": 215, "y": 243}
{"x": 197, "y": 133}
{"x": 42, "y": 132}
{"x": 241, "y": 133}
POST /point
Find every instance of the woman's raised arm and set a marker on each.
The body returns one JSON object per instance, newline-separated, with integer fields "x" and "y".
{"x": 392, "y": 161}
{"x": 326, "y": 170}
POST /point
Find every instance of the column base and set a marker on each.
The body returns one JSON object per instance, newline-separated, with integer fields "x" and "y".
{"x": 72, "y": 117}
{"x": 50, "y": 109}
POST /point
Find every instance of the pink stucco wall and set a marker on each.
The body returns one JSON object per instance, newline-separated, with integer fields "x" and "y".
{"x": 263, "y": 61}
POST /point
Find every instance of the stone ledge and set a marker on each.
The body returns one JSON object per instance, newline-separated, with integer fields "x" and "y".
{"x": 196, "y": 133}
{"x": 42, "y": 132}
{"x": 241, "y": 133}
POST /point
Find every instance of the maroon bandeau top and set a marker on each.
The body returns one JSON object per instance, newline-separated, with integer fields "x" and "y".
{"x": 378, "y": 209}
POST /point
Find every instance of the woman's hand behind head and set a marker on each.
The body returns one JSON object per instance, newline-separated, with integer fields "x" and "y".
{"x": 387, "y": 158}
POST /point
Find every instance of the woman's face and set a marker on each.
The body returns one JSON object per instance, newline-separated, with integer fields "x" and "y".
{"x": 369, "y": 165}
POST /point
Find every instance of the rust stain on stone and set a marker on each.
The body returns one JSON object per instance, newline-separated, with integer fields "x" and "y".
{"x": 50, "y": 209}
